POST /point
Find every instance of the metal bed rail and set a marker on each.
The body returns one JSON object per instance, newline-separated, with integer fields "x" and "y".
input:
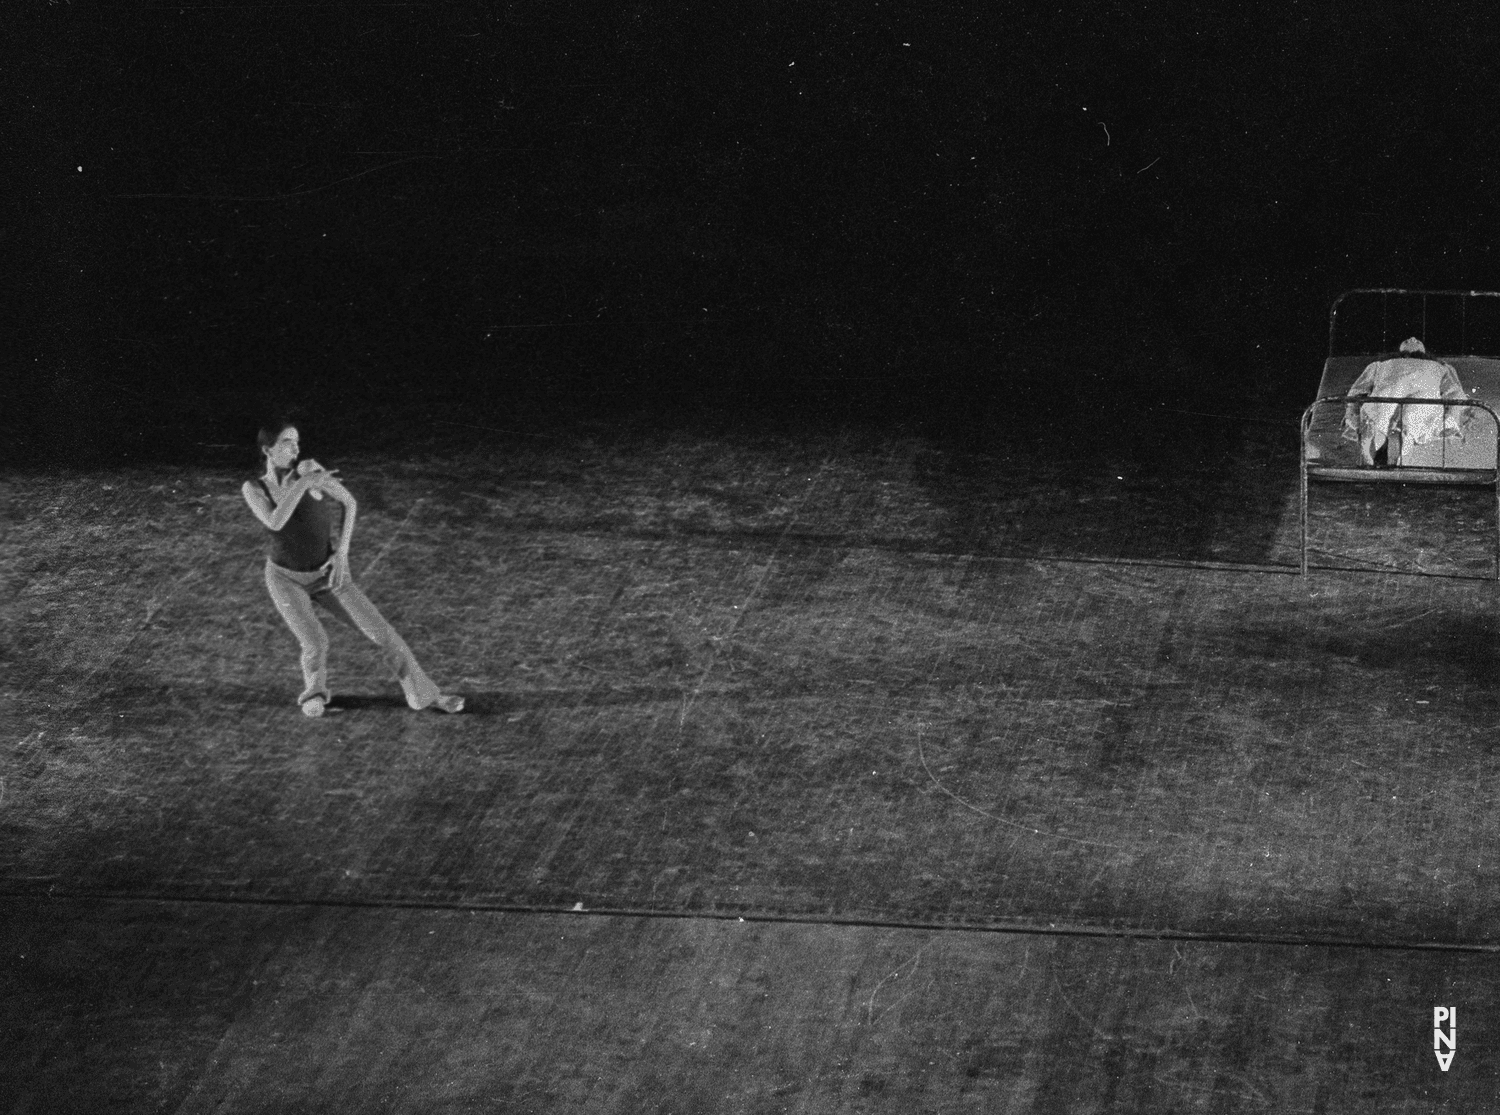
{"x": 1428, "y": 474}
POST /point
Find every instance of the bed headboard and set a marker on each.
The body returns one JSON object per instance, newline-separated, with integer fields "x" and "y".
{"x": 1379, "y": 319}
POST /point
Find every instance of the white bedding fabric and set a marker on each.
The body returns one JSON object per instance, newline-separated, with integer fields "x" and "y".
{"x": 1405, "y": 377}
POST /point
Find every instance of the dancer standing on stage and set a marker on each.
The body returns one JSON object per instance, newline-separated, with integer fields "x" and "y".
{"x": 304, "y": 566}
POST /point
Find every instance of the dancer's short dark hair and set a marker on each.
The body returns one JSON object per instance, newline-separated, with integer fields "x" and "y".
{"x": 266, "y": 436}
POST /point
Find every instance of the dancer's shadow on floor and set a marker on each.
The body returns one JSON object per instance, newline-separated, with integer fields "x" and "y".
{"x": 493, "y": 703}
{"x": 475, "y": 704}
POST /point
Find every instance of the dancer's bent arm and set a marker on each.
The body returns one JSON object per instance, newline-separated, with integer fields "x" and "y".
{"x": 339, "y": 563}
{"x": 274, "y": 516}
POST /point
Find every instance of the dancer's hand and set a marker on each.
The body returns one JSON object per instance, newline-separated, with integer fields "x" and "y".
{"x": 338, "y": 570}
{"x": 315, "y": 474}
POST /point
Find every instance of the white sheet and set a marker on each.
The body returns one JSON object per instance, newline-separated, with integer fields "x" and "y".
{"x": 1405, "y": 377}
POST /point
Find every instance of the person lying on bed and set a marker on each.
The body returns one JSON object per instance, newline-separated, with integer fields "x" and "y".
{"x": 1382, "y": 428}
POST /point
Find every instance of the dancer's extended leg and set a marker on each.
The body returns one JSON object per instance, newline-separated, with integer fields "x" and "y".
{"x": 352, "y": 605}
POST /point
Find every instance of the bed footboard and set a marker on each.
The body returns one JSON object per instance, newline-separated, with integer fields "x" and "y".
{"x": 1316, "y": 464}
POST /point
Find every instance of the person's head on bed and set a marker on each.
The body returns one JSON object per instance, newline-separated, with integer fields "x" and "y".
{"x": 1412, "y": 346}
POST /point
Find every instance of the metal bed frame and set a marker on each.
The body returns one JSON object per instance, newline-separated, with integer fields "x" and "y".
{"x": 1400, "y": 473}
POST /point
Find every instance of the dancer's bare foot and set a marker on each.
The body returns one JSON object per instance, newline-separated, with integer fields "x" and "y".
{"x": 316, "y": 707}
{"x": 449, "y": 702}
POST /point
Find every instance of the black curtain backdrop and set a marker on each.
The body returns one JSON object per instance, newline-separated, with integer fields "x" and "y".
{"x": 856, "y": 212}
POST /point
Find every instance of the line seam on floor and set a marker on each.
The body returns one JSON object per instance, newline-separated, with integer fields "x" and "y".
{"x": 1286, "y": 939}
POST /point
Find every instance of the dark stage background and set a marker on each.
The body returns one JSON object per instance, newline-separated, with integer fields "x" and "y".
{"x": 951, "y": 217}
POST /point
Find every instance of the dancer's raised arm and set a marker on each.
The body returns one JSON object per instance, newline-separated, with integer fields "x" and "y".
{"x": 273, "y": 516}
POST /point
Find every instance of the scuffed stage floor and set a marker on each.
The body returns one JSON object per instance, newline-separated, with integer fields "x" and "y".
{"x": 921, "y": 722}
{"x": 196, "y": 1007}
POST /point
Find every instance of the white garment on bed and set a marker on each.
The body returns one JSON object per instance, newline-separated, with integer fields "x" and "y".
{"x": 1405, "y": 377}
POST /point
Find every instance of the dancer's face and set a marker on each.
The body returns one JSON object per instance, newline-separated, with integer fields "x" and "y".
{"x": 283, "y": 454}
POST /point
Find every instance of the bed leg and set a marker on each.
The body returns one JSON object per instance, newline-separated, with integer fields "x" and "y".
{"x": 1302, "y": 467}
